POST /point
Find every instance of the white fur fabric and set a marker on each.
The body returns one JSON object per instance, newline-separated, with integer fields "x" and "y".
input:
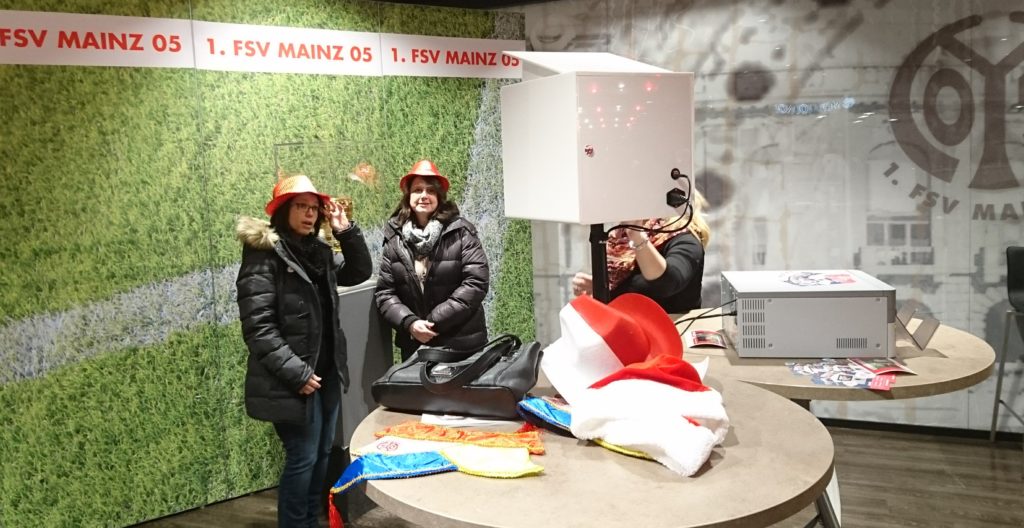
{"x": 577, "y": 359}
{"x": 651, "y": 417}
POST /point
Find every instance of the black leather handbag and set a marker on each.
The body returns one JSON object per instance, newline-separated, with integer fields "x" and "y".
{"x": 485, "y": 383}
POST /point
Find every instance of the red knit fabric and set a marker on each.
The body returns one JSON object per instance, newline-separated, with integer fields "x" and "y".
{"x": 669, "y": 370}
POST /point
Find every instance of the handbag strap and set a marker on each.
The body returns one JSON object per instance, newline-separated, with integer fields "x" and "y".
{"x": 447, "y": 355}
{"x": 494, "y": 350}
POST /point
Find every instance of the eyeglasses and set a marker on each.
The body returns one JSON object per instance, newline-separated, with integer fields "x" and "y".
{"x": 305, "y": 208}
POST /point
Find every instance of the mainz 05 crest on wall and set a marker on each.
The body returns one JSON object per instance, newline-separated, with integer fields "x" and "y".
{"x": 982, "y": 90}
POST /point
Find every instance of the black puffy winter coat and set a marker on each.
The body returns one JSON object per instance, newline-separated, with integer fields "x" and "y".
{"x": 282, "y": 318}
{"x": 453, "y": 291}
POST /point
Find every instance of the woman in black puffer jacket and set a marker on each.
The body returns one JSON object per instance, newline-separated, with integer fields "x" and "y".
{"x": 288, "y": 305}
{"x": 433, "y": 271}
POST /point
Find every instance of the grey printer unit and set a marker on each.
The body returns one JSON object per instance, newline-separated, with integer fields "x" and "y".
{"x": 808, "y": 314}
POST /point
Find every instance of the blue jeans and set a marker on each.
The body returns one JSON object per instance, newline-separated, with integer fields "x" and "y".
{"x": 306, "y": 450}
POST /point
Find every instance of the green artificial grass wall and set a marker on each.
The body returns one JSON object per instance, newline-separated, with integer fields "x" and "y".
{"x": 121, "y": 187}
{"x": 513, "y": 313}
{"x": 98, "y": 164}
{"x": 131, "y": 436}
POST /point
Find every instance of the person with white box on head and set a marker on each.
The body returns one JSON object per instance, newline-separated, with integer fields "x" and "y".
{"x": 663, "y": 259}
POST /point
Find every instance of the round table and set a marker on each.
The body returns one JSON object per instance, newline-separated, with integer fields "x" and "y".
{"x": 952, "y": 361}
{"x": 776, "y": 460}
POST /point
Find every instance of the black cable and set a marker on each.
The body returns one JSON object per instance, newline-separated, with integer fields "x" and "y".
{"x": 688, "y": 207}
{"x": 703, "y": 315}
{"x": 694, "y": 318}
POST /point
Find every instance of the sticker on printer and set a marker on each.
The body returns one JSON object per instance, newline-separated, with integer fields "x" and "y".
{"x": 812, "y": 278}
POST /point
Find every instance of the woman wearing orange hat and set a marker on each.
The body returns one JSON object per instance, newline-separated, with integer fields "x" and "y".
{"x": 288, "y": 305}
{"x": 433, "y": 270}
{"x": 665, "y": 266}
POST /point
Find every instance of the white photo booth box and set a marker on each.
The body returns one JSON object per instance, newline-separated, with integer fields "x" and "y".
{"x": 590, "y": 138}
{"x": 809, "y": 314}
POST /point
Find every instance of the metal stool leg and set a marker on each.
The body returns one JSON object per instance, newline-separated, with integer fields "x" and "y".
{"x": 999, "y": 375}
{"x": 827, "y": 516}
{"x": 828, "y": 506}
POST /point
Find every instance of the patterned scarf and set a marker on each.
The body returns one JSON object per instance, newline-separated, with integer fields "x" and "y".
{"x": 422, "y": 241}
{"x": 622, "y": 258}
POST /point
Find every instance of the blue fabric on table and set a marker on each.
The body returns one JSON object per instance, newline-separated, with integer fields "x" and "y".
{"x": 376, "y": 466}
{"x": 539, "y": 409}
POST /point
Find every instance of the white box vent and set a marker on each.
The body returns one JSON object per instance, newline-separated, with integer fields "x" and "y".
{"x": 851, "y": 342}
{"x": 754, "y": 330}
{"x": 754, "y": 343}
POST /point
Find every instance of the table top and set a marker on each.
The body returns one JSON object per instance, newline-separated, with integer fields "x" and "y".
{"x": 953, "y": 360}
{"x": 776, "y": 460}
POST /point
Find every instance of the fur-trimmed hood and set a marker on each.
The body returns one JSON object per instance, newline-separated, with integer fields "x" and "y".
{"x": 259, "y": 234}
{"x": 256, "y": 233}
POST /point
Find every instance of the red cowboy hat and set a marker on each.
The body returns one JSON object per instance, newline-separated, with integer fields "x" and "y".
{"x": 423, "y": 167}
{"x": 630, "y": 337}
{"x": 288, "y": 187}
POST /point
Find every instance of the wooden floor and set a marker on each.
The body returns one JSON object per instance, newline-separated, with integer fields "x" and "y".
{"x": 886, "y": 479}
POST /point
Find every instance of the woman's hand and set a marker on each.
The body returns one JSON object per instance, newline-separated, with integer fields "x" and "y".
{"x": 311, "y": 386}
{"x": 636, "y": 237}
{"x": 422, "y": 331}
{"x": 649, "y": 260}
{"x": 336, "y": 214}
{"x": 582, "y": 284}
